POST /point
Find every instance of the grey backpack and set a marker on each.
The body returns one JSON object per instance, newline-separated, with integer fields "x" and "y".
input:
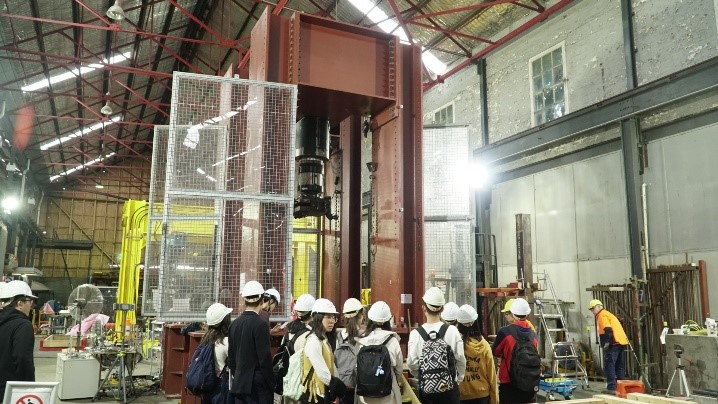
{"x": 345, "y": 360}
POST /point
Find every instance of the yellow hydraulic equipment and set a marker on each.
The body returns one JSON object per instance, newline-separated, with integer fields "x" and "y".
{"x": 306, "y": 255}
{"x": 134, "y": 232}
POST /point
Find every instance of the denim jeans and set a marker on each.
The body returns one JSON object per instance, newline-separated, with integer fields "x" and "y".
{"x": 613, "y": 365}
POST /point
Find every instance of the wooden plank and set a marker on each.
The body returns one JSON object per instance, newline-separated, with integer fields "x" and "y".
{"x": 647, "y": 398}
{"x": 609, "y": 399}
{"x": 589, "y": 401}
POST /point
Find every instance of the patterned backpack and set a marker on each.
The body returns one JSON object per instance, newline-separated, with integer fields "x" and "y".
{"x": 437, "y": 369}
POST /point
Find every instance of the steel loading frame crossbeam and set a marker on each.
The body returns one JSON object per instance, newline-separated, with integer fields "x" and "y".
{"x": 386, "y": 83}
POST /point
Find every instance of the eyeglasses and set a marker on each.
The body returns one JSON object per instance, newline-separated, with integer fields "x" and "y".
{"x": 28, "y": 300}
{"x": 331, "y": 317}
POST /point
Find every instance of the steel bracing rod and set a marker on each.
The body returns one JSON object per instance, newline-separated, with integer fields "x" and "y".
{"x": 450, "y": 33}
{"x": 506, "y": 38}
{"x": 118, "y": 29}
{"x": 77, "y": 44}
{"x": 58, "y": 30}
{"x": 135, "y": 50}
{"x": 537, "y": 8}
{"x": 58, "y": 66}
{"x": 324, "y": 12}
{"x": 202, "y": 24}
{"x": 250, "y": 15}
{"x": 417, "y": 8}
{"x": 136, "y": 94}
{"x": 150, "y": 84}
{"x": 461, "y": 9}
{"x": 131, "y": 77}
{"x": 91, "y": 120}
{"x": 400, "y": 20}
{"x": 41, "y": 47}
{"x": 279, "y": 7}
{"x": 65, "y": 59}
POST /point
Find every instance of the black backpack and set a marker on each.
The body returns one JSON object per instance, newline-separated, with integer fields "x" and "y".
{"x": 201, "y": 376}
{"x": 525, "y": 371}
{"x": 437, "y": 364}
{"x": 373, "y": 374}
{"x": 280, "y": 361}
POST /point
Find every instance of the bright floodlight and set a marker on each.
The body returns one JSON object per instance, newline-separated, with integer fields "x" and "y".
{"x": 10, "y": 203}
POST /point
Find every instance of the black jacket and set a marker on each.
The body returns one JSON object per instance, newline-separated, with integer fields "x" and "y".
{"x": 249, "y": 352}
{"x": 17, "y": 342}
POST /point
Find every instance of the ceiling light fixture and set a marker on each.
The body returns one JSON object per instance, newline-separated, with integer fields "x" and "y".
{"x": 116, "y": 12}
{"x": 106, "y": 110}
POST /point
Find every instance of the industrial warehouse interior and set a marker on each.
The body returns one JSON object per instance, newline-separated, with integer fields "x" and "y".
{"x": 537, "y": 174}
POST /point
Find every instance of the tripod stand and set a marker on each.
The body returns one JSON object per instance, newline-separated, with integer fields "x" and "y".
{"x": 681, "y": 372}
{"x": 120, "y": 361}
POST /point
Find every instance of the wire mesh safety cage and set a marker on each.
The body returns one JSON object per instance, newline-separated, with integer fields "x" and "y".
{"x": 449, "y": 260}
{"x": 222, "y": 195}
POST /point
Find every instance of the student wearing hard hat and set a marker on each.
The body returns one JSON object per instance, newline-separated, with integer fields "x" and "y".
{"x": 249, "y": 358}
{"x": 433, "y": 304}
{"x": 17, "y": 339}
{"x": 448, "y": 315}
{"x": 510, "y": 318}
{"x": 297, "y": 331}
{"x": 503, "y": 348}
{"x": 318, "y": 372}
{"x": 270, "y": 301}
{"x": 613, "y": 341}
{"x": 479, "y": 385}
{"x": 218, "y": 320}
{"x": 346, "y": 346}
{"x": 378, "y": 332}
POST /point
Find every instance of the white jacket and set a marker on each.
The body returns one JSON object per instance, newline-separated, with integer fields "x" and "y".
{"x": 377, "y": 337}
{"x": 452, "y": 337}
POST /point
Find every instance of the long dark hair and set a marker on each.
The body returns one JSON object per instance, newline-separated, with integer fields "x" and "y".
{"x": 217, "y": 332}
{"x": 353, "y": 326}
{"x": 371, "y": 326}
{"x": 472, "y": 331}
{"x": 318, "y": 329}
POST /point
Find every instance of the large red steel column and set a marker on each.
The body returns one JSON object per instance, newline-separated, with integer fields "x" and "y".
{"x": 344, "y": 72}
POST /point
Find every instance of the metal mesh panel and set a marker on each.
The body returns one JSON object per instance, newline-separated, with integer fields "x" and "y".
{"x": 448, "y": 217}
{"x": 225, "y": 213}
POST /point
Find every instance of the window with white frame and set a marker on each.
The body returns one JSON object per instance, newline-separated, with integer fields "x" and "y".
{"x": 444, "y": 115}
{"x": 548, "y": 86}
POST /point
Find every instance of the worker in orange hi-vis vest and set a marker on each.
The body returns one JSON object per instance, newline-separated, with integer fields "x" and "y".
{"x": 613, "y": 342}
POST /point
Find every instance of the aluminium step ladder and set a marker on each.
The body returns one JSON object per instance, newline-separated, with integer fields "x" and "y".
{"x": 565, "y": 362}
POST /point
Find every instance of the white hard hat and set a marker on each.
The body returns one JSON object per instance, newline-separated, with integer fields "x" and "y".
{"x": 2, "y": 288}
{"x": 16, "y": 288}
{"x": 450, "y": 310}
{"x": 466, "y": 314}
{"x": 351, "y": 307}
{"x": 216, "y": 313}
{"x": 304, "y": 303}
{"x": 434, "y": 297}
{"x": 273, "y": 293}
{"x": 324, "y": 306}
{"x": 379, "y": 312}
{"x": 252, "y": 289}
{"x": 520, "y": 307}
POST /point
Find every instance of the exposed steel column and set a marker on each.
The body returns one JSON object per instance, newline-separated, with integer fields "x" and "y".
{"x": 351, "y": 197}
